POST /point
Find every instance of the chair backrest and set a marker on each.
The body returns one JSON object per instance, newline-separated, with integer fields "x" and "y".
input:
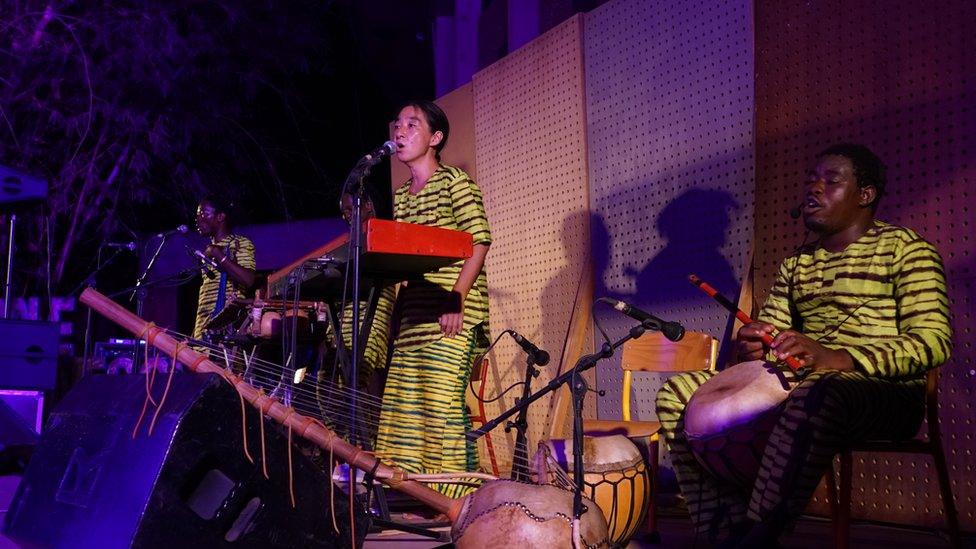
{"x": 652, "y": 352}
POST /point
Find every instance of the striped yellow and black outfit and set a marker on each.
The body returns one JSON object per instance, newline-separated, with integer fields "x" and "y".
{"x": 884, "y": 301}
{"x": 423, "y": 421}
{"x": 378, "y": 340}
{"x": 240, "y": 250}
{"x": 332, "y": 402}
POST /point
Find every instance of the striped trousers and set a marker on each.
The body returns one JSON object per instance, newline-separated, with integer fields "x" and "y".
{"x": 423, "y": 418}
{"x": 824, "y": 414}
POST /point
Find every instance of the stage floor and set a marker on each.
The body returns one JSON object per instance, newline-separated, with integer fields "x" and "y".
{"x": 676, "y": 532}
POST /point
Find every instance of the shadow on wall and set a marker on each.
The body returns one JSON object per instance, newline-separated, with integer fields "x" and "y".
{"x": 562, "y": 290}
{"x": 694, "y": 228}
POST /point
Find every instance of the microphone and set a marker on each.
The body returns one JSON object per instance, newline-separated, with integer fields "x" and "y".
{"x": 384, "y": 150}
{"x": 131, "y": 246}
{"x": 181, "y": 230}
{"x": 538, "y": 355}
{"x": 671, "y": 330}
{"x": 795, "y": 211}
{"x": 210, "y": 267}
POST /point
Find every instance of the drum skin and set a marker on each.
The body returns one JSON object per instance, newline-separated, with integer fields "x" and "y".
{"x": 505, "y": 513}
{"x": 270, "y": 325}
{"x": 729, "y": 418}
{"x": 615, "y": 476}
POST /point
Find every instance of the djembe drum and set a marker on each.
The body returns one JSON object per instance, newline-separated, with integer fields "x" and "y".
{"x": 729, "y": 418}
{"x": 615, "y": 476}
{"x": 505, "y": 513}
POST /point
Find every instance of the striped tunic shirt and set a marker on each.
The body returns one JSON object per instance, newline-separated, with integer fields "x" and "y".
{"x": 883, "y": 299}
{"x": 240, "y": 250}
{"x": 449, "y": 200}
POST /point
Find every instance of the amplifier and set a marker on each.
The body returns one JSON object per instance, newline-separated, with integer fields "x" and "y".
{"x": 28, "y": 354}
{"x": 127, "y": 356}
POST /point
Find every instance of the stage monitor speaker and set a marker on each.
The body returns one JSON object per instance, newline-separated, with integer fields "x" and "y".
{"x": 17, "y": 440}
{"x": 90, "y": 484}
{"x": 19, "y": 188}
{"x": 28, "y": 354}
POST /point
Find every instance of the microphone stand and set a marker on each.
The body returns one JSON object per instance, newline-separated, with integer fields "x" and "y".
{"x": 139, "y": 291}
{"x": 356, "y": 180}
{"x": 91, "y": 281}
{"x": 8, "y": 285}
{"x": 520, "y": 458}
{"x": 579, "y": 388}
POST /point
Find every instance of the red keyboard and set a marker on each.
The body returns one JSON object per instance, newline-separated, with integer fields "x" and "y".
{"x": 392, "y": 251}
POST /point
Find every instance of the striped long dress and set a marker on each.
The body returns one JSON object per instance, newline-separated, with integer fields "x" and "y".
{"x": 883, "y": 299}
{"x": 423, "y": 420}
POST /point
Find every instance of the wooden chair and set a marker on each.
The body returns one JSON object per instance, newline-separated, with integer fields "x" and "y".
{"x": 840, "y": 503}
{"x": 652, "y": 352}
{"x": 479, "y": 375}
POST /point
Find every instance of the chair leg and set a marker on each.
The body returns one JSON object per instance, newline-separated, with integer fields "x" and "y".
{"x": 842, "y": 524}
{"x": 948, "y": 503}
{"x": 830, "y": 479}
{"x": 650, "y": 523}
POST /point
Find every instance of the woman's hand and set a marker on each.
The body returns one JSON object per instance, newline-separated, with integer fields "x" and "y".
{"x": 451, "y": 323}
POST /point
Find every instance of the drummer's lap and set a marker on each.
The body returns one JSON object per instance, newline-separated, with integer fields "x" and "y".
{"x": 860, "y": 405}
{"x": 673, "y": 397}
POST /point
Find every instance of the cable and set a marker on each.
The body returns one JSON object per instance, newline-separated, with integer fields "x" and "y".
{"x": 480, "y": 362}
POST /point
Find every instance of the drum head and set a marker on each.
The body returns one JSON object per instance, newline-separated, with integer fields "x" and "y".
{"x": 735, "y": 396}
{"x": 729, "y": 418}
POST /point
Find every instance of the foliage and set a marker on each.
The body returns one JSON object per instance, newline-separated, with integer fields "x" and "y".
{"x": 129, "y": 107}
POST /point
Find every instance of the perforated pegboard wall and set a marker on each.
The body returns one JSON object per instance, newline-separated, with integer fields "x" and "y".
{"x": 669, "y": 97}
{"x": 531, "y": 157}
{"x": 898, "y": 78}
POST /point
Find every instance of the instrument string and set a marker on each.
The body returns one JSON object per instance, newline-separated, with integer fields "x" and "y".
{"x": 265, "y": 366}
{"x": 329, "y": 402}
{"x": 269, "y": 367}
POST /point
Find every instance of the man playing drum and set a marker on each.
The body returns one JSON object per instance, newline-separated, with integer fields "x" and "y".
{"x": 864, "y": 306}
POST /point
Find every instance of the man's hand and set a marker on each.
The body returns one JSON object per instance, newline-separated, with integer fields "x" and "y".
{"x": 809, "y": 352}
{"x": 789, "y": 343}
{"x": 749, "y": 343}
{"x": 215, "y": 253}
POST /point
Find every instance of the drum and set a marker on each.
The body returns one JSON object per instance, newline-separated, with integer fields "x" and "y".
{"x": 269, "y": 323}
{"x": 615, "y": 476}
{"x": 505, "y": 513}
{"x": 729, "y": 418}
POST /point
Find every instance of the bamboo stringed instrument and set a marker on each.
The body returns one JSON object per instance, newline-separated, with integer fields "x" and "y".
{"x": 499, "y": 513}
